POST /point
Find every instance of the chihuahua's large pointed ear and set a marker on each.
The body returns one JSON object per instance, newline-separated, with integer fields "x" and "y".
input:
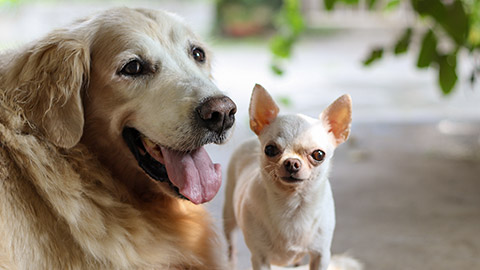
{"x": 49, "y": 77}
{"x": 263, "y": 109}
{"x": 338, "y": 117}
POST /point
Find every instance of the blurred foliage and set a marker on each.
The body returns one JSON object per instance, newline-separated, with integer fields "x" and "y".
{"x": 375, "y": 54}
{"x": 391, "y": 5}
{"x": 451, "y": 27}
{"x": 243, "y": 18}
{"x": 290, "y": 25}
{"x": 285, "y": 101}
{"x": 7, "y": 2}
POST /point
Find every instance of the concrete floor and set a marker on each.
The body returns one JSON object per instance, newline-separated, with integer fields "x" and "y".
{"x": 407, "y": 196}
{"x": 407, "y": 184}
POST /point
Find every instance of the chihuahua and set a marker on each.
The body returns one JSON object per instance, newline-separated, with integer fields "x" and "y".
{"x": 278, "y": 191}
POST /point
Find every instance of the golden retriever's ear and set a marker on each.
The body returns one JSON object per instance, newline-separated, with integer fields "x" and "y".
{"x": 50, "y": 77}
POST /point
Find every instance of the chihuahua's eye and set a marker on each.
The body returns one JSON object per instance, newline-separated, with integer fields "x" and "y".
{"x": 318, "y": 155}
{"x": 271, "y": 150}
{"x": 132, "y": 68}
{"x": 198, "y": 54}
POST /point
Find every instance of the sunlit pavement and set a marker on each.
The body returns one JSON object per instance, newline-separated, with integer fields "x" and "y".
{"x": 406, "y": 184}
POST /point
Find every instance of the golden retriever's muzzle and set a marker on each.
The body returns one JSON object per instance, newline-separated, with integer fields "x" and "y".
{"x": 190, "y": 173}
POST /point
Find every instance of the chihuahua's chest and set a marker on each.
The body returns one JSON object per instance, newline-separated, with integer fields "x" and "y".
{"x": 297, "y": 226}
{"x": 302, "y": 221}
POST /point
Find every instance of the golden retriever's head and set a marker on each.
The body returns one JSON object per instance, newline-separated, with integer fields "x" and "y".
{"x": 135, "y": 86}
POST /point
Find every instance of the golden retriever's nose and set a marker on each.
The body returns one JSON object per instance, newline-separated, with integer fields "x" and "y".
{"x": 292, "y": 165}
{"x": 217, "y": 113}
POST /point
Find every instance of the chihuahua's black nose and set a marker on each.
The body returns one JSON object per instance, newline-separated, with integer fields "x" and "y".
{"x": 217, "y": 113}
{"x": 292, "y": 165}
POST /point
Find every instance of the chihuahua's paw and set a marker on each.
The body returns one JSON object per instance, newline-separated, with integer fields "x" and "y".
{"x": 344, "y": 262}
{"x": 338, "y": 262}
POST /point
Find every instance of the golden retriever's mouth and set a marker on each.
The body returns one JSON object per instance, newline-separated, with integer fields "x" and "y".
{"x": 191, "y": 175}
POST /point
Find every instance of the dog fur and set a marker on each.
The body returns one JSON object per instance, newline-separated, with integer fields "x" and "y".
{"x": 71, "y": 194}
{"x": 278, "y": 191}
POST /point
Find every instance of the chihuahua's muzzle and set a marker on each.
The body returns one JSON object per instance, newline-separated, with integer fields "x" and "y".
{"x": 290, "y": 172}
{"x": 292, "y": 165}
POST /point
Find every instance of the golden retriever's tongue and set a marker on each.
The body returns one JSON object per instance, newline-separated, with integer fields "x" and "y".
{"x": 193, "y": 173}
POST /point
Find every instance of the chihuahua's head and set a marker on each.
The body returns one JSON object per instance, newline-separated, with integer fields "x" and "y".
{"x": 297, "y": 149}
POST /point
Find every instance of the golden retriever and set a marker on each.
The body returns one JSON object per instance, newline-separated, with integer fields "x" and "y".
{"x": 102, "y": 125}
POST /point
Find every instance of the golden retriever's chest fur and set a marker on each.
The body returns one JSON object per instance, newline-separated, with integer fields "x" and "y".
{"x": 61, "y": 211}
{"x": 20, "y": 203}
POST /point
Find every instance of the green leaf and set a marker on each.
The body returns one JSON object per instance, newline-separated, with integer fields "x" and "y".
{"x": 391, "y": 5}
{"x": 403, "y": 42}
{"x": 447, "y": 75}
{"x": 293, "y": 15}
{"x": 456, "y": 23}
{"x": 428, "y": 50}
{"x": 474, "y": 28}
{"x": 290, "y": 26}
{"x": 452, "y": 17}
{"x": 350, "y": 2}
{"x": 329, "y": 4}
{"x": 285, "y": 101}
{"x": 281, "y": 46}
{"x": 371, "y": 3}
{"x": 277, "y": 70}
{"x": 433, "y": 8}
{"x": 375, "y": 55}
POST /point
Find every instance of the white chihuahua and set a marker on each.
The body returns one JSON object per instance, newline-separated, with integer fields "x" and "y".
{"x": 278, "y": 191}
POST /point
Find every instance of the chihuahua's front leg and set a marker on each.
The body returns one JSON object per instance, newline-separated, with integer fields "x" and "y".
{"x": 259, "y": 262}
{"x": 319, "y": 261}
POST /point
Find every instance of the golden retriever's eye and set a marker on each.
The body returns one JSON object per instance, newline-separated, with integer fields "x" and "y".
{"x": 271, "y": 150}
{"x": 198, "y": 54}
{"x": 318, "y": 155}
{"x": 132, "y": 68}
